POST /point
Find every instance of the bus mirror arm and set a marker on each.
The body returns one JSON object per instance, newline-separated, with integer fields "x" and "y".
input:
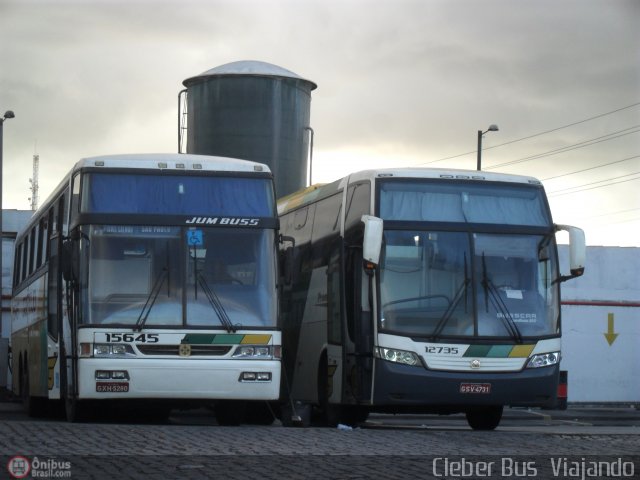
{"x": 69, "y": 261}
{"x": 286, "y": 238}
{"x": 287, "y": 265}
{"x": 577, "y": 252}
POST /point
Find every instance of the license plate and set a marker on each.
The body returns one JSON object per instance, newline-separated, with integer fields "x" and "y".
{"x": 482, "y": 388}
{"x": 112, "y": 387}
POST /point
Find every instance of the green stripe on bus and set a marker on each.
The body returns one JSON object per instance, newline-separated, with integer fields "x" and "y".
{"x": 229, "y": 338}
{"x": 499, "y": 351}
{"x": 477, "y": 351}
{"x": 212, "y": 339}
{"x": 198, "y": 338}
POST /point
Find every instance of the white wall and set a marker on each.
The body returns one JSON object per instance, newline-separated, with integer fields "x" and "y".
{"x": 598, "y": 371}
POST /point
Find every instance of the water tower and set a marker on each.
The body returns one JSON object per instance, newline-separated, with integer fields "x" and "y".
{"x": 254, "y": 111}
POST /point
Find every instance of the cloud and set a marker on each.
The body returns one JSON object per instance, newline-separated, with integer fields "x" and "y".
{"x": 407, "y": 80}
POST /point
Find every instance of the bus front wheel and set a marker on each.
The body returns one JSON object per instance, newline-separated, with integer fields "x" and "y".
{"x": 75, "y": 410}
{"x": 484, "y": 418}
{"x": 34, "y": 406}
{"x": 229, "y": 413}
{"x": 330, "y": 414}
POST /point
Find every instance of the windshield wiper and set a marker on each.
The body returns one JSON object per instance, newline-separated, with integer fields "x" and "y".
{"x": 454, "y": 303}
{"x": 491, "y": 293}
{"x": 151, "y": 300}
{"x": 216, "y": 304}
{"x": 450, "y": 309}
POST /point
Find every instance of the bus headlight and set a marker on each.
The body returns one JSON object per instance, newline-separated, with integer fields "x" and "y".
{"x": 255, "y": 377}
{"x": 112, "y": 350}
{"x": 544, "y": 360}
{"x": 397, "y": 356}
{"x": 259, "y": 352}
{"x": 100, "y": 350}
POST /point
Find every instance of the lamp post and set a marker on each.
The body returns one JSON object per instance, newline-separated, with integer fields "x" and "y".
{"x": 7, "y": 114}
{"x": 492, "y": 128}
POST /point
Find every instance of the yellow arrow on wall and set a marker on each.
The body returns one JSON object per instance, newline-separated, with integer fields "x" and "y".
{"x": 610, "y": 336}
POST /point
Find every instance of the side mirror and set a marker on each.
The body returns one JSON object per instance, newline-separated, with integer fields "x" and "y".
{"x": 287, "y": 259}
{"x": 577, "y": 251}
{"x": 372, "y": 243}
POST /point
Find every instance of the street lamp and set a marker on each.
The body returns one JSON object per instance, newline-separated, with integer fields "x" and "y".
{"x": 7, "y": 114}
{"x": 492, "y": 128}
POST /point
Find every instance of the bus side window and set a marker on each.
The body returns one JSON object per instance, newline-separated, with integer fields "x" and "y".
{"x": 53, "y": 288}
{"x": 75, "y": 194}
{"x": 18, "y": 261}
{"x": 358, "y": 204}
{"x": 32, "y": 248}
{"x": 25, "y": 254}
{"x": 50, "y": 229}
{"x": 40, "y": 243}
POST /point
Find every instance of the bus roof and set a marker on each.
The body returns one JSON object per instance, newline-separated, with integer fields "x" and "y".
{"x": 441, "y": 173}
{"x": 173, "y": 161}
{"x": 318, "y": 191}
{"x": 179, "y": 162}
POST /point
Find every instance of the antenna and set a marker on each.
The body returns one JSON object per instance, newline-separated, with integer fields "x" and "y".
{"x": 34, "y": 182}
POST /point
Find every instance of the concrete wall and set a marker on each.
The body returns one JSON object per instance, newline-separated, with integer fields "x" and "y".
{"x": 601, "y": 326}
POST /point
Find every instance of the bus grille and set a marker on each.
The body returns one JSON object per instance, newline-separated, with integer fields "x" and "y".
{"x": 211, "y": 350}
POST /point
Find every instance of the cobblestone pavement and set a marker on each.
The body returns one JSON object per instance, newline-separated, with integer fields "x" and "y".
{"x": 198, "y": 449}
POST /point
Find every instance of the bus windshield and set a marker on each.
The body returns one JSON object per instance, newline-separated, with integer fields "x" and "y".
{"x": 164, "y": 276}
{"x": 517, "y": 204}
{"x": 459, "y": 284}
{"x": 172, "y": 194}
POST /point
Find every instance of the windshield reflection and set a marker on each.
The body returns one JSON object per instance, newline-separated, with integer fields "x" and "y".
{"x": 160, "y": 276}
{"x": 432, "y": 285}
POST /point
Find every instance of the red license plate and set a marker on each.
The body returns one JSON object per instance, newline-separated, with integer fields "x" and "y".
{"x": 112, "y": 387}
{"x": 482, "y": 388}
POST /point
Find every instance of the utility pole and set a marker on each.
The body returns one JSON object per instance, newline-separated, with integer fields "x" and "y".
{"x": 7, "y": 114}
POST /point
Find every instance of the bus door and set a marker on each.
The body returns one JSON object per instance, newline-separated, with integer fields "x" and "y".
{"x": 65, "y": 297}
{"x": 54, "y": 316}
{"x": 359, "y": 327}
{"x": 335, "y": 345}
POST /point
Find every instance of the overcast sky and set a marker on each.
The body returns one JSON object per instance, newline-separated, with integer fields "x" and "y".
{"x": 400, "y": 83}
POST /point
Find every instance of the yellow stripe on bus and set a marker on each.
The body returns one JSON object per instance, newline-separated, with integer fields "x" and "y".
{"x": 521, "y": 351}
{"x": 256, "y": 339}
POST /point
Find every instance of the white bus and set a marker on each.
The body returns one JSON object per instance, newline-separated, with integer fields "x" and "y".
{"x": 150, "y": 278}
{"x": 422, "y": 290}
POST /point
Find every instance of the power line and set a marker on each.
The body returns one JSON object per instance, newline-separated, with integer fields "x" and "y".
{"x": 609, "y": 213}
{"x": 536, "y": 134}
{"x": 557, "y": 192}
{"x": 591, "y": 168}
{"x": 624, "y": 221}
{"x": 566, "y": 126}
{"x": 568, "y": 148}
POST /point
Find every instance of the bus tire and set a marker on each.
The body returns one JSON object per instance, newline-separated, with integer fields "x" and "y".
{"x": 75, "y": 410}
{"x": 25, "y": 396}
{"x": 484, "y": 418}
{"x": 33, "y": 406}
{"x": 229, "y": 413}
{"x": 354, "y": 415}
{"x": 259, "y": 413}
{"x": 330, "y": 414}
